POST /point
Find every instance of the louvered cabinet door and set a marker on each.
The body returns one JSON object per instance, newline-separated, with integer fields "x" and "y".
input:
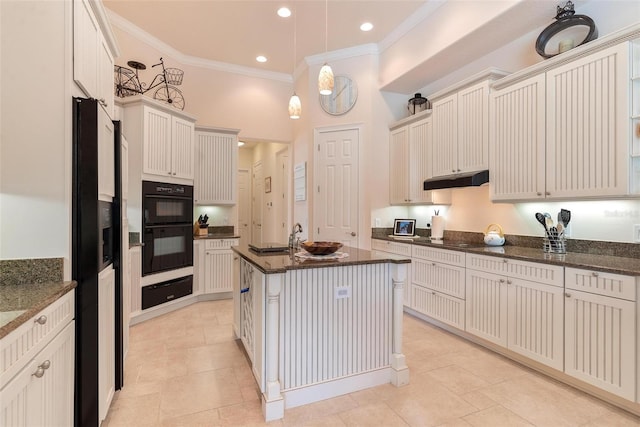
{"x": 182, "y": 148}
{"x": 398, "y": 160}
{"x": 419, "y": 160}
{"x": 473, "y": 128}
{"x": 517, "y": 140}
{"x": 536, "y": 322}
{"x": 600, "y": 342}
{"x": 486, "y": 306}
{"x": 445, "y": 308}
{"x": 588, "y": 125}
{"x": 156, "y": 142}
{"x": 216, "y": 168}
{"x": 219, "y": 271}
{"x": 445, "y": 136}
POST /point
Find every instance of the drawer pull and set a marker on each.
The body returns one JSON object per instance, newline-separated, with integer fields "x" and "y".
{"x": 433, "y": 292}
{"x": 41, "y": 320}
{"x": 45, "y": 365}
{"x": 567, "y": 294}
{"x": 501, "y": 280}
{"x": 509, "y": 282}
{"x": 39, "y": 373}
{"x": 505, "y": 261}
{"x": 594, "y": 274}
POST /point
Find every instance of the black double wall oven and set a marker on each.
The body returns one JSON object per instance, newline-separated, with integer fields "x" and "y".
{"x": 167, "y": 227}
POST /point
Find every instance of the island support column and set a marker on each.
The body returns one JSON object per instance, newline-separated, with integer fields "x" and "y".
{"x": 400, "y": 373}
{"x": 272, "y": 399}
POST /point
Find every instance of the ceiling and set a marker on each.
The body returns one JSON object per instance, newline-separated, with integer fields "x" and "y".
{"x": 236, "y": 31}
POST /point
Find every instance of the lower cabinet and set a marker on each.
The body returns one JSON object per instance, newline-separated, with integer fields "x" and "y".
{"x": 600, "y": 330}
{"x": 213, "y": 266}
{"x": 42, "y": 392}
{"x": 106, "y": 340}
{"x": 438, "y": 288}
{"x": 252, "y": 288}
{"x": 524, "y": 316}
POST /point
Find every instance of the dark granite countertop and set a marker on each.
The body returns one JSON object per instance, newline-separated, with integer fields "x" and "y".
{"x": 280, "y": 263}
{"x": 19, "y": 303}
{"x": 217, "y": 236}
{"x": 592, "y": 261}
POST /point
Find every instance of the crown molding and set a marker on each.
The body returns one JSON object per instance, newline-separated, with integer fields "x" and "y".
{"x": 135, "y": 31}
{"x": 422, "y": 13}
{"x": 336, "y": 55}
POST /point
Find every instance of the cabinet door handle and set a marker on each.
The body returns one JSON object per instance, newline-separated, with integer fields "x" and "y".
{"x": 538, "y": 193}
{"x": 547, "y": 193}
{"x": 509, "y": 282}
{"x": 433, "y": 263}
{"x": 45, "y": 365}
{"x": 41, "y": 320}
{"x": 433, "y": 292}
{"x": 39, "y": 373}
{"x": 567, "y": 294}
{"x": 594, "y": 274}
{"x": 505, "y": 261}
{"x": 501, "y": 280}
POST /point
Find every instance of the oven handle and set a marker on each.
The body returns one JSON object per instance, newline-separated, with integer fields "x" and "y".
{"x": 181, "y": 225}
{"x": 164, "y": 196}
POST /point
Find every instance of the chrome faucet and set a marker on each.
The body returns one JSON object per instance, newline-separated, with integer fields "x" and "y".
{"x": 297, "y": 228}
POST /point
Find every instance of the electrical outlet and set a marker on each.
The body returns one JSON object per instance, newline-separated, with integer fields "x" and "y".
{"x": 636, "y": 233}
{"x": 378, "y": 222}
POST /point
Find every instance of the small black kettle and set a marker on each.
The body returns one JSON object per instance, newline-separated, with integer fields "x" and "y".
{"x": 418, "y": 103}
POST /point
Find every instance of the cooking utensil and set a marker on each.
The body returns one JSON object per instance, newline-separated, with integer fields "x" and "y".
{"x": 541, "y": 219}
{"x": 564, "y": 216}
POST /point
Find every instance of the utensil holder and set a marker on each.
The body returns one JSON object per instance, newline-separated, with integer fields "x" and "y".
{"x": 557, "y": 245}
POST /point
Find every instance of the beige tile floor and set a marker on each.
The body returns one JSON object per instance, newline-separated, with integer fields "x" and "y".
{"x": 186, "y": 369}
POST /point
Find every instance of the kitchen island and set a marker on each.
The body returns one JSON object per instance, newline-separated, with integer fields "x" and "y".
{"x": 316, "y": 329}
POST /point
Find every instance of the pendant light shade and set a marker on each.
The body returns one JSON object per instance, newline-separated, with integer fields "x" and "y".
{"x": 295, "y": 107}
{"x": 325, "y": 80}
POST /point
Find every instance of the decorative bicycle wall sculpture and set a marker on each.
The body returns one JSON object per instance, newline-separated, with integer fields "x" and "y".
{"x": 127, "y": 83}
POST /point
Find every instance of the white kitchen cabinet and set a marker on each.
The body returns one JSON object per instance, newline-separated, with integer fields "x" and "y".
{"x": 520, "y": 309}
{"x": 410, "y": 144}
{"x": 218, "y": 265}
{"x": 252, "y": 333}
{"x": 216, "y": 166}
{"x": 461, "y": 128}
{"x": 437, "y": 287}
{"x": 106, "y": 340}
{"x": 37, "y": 368}
{"x": 93, "y": 52}
{"x": 198, "y": 266}
{"x": 42, "y": 393}
{"x": 136, "y": 277}
{"x": 396, "y": 248}
{"x": 564, "y": 132}
{"x": 600, "y": 330}
{"x": 106, "y": 159}
{"x": 161, "y": 138}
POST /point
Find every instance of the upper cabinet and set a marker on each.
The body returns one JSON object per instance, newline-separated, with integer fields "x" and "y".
{"x": 93, "y": 51}
{"x": 216, "y": 166}
{"x": 564, "y": 131}
{"x": 167, "y": 138}
{"x": 410, "y": 144}
{"x": 461, "y": 126}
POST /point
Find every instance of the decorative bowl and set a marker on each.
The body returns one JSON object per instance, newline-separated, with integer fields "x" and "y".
{"x": 321, "y": 248}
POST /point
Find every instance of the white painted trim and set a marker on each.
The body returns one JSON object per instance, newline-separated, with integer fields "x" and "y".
{"x": 105, "y": 26}
{"x": 336, "y": 55}
{"x": 152, "y": 312}
{"x": 488, "y": 74}
{"x": 135, "y": 31}
{"x": 316, "y": 392}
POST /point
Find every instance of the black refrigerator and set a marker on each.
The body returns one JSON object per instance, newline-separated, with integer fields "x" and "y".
{"x": 96, "y": 244}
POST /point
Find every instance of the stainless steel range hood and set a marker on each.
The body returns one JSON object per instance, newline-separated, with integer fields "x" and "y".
{"x": 470, "y": 179}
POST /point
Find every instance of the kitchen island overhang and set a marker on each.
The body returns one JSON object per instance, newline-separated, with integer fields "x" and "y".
{"x": 319, "y": 329}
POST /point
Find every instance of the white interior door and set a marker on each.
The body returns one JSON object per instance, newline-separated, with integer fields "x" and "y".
{"x": 256, "y": 204}
{"x": 281, "y": 198}
{"x": 336, "y": 186}
{"x": 244, "y": 205}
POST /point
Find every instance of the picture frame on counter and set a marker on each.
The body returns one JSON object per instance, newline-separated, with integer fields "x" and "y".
{"x": 404, "y": 227}
{"x": 267, "y": 184}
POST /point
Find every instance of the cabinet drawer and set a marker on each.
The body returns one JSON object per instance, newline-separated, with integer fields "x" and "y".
{"x": 438, "y": 255}
{"x": 220, "y": 243}
{"x": 535, "y": 272}
{"x": 391, "y": 247}
{"x": 441, "y": 307}
{"x": 21, "y": 345}
{"x": 599, "y": 283}
{"x": 445, "y": 278}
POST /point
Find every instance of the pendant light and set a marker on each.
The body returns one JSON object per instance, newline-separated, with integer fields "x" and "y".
{"x": 325, "y": 78}
{"x": 295, "y": 107}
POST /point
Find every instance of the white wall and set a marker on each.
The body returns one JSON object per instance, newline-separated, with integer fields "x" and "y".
{"x": 35, "y": 130}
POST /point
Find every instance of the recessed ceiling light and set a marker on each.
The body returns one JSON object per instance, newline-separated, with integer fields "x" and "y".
{"x": 367, "y": 26}
{"x": 240, "y": 143}
{"x": 284, "y": 12}
{"x": 261, "y": 58}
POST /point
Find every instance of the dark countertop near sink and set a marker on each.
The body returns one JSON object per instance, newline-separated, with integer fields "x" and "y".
{"x": 19, "y": 303}
{"x": 599, "y": 262}
{"x": 216, "y": 236}
{"x": 281, "y": 262}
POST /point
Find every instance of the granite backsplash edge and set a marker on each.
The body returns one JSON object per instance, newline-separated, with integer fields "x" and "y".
{"x": 25, "y": 271}
{"x": 592, "y": 247}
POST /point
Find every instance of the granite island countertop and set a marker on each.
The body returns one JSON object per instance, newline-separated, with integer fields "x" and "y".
{"x": 602, "y": 263}
{"x": 273, "y": 263}
{"x": 217, "y": 236}
{"x": 20, "y": 302}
